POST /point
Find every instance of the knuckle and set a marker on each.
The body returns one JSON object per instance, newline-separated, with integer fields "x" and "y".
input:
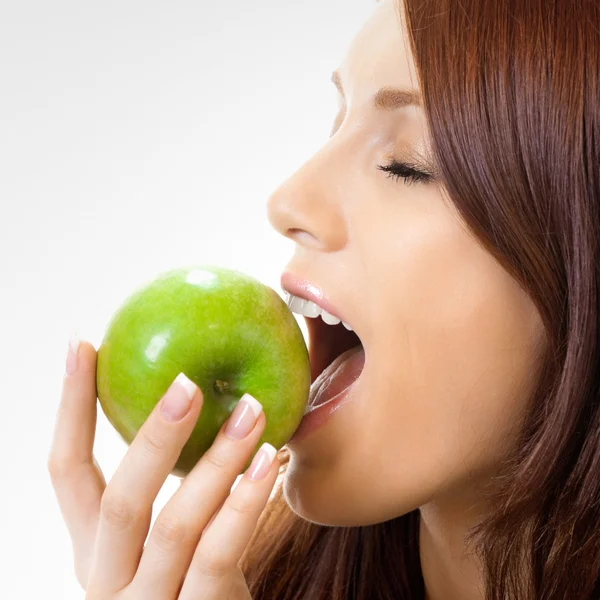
{"x": 212, "y": 566}
{"x": 153, "y": 442}
{"x": 217, "y": 458}
{"x": 118, "y": 511}
{"x": 170, "y": 532}
{"x": 242, "y": 506}
{"x": 58, "y": 469}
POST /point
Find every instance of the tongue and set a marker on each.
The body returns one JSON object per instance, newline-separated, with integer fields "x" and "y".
{"x": 339, "y": 375}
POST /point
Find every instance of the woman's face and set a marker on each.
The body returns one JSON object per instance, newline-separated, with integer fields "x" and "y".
{"x": 449, "y": 336}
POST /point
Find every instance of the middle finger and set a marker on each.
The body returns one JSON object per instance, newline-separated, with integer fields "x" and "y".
{"x": 181, "y": 523}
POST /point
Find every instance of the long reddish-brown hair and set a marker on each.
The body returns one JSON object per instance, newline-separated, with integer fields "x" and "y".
{"x": 511, "y": 93}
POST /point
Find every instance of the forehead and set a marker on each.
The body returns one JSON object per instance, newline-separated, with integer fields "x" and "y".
{"x": 379, "y": 55}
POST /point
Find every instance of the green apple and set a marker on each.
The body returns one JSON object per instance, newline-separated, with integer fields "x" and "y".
{"x": 229, "y": 333}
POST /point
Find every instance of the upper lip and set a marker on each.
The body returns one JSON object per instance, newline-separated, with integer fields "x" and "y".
{"x": 308, "y": 291}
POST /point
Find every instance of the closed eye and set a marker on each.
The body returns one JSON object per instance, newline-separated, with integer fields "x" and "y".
{"x": 408, "y": 172}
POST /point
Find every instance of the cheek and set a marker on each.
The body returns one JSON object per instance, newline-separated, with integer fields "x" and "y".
{"x": 455, "y": 362}
{"x": 453, "y": 354}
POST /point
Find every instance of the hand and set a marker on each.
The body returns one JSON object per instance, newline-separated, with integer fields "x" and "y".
{"x": 198, "y": 538}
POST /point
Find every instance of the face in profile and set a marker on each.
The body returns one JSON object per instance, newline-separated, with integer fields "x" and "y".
{"x": 450, "y": 339}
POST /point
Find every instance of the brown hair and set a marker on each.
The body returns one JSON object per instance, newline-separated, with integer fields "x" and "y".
{"x": 511, "y": 93}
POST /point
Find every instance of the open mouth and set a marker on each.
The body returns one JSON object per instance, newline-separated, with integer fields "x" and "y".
{"x": 326, "y": 343}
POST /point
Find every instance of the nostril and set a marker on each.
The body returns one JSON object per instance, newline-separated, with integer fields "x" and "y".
{"x": 301, "y": 236}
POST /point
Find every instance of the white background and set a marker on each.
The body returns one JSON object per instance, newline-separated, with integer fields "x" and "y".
{"x": 135, "y": 137}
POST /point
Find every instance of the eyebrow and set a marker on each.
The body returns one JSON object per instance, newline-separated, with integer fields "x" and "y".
{"x": 387, "y": 98}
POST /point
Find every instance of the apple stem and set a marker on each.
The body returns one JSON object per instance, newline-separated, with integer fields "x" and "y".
{"x": 221, "y": 386}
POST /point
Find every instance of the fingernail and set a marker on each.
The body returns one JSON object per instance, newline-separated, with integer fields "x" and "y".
{"x": 242, "y": 419}
{"x": 72, "y": 359}
{"x": 177, "y": 400}
{"x": 262, "y": 462}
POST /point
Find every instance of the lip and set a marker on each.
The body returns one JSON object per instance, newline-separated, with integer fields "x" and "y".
{"x": 308, "y": 291}
{"x": 303, "y": 288}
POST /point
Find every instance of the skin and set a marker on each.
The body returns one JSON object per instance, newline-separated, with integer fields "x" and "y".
{"x": 451, "y": 339}
{"x": 198, "y": 539}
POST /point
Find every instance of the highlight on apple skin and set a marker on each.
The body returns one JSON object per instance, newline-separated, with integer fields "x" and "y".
{"x": 229, "y": 333}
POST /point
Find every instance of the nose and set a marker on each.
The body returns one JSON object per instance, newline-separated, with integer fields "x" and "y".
{"x": 308, "y": 207}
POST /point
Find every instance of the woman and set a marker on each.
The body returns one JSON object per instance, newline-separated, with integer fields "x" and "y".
{"x": 453, "y": 220}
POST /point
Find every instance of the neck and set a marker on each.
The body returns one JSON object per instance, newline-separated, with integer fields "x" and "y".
{"x": 451, "y": 571}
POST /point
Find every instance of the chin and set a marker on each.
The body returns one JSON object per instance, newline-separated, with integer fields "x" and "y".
{"x": 306, "y": 498}
{"x": 314, "y": 496}
{"x": 314, "y": 501}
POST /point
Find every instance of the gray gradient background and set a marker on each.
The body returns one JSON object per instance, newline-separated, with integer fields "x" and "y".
{"x": 135, "y": 137}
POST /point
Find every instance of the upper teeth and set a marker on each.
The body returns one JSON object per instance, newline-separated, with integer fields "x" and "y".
{"x": 309, "y": 309}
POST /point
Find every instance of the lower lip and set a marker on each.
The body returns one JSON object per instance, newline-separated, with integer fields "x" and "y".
{"x": 353, "y": 362}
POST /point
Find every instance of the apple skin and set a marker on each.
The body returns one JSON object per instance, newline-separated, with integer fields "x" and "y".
{"x": 227, "y": 332}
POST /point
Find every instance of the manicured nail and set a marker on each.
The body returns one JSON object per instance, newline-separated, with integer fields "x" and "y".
{"x": 262, "y": 462}
{"x": 242, "y": 419}
{"x": 177, "y": 400}
{"x": 72, "y": 359}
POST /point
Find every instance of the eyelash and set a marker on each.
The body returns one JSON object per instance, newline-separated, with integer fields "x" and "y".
{"x": 406, "y": 171}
